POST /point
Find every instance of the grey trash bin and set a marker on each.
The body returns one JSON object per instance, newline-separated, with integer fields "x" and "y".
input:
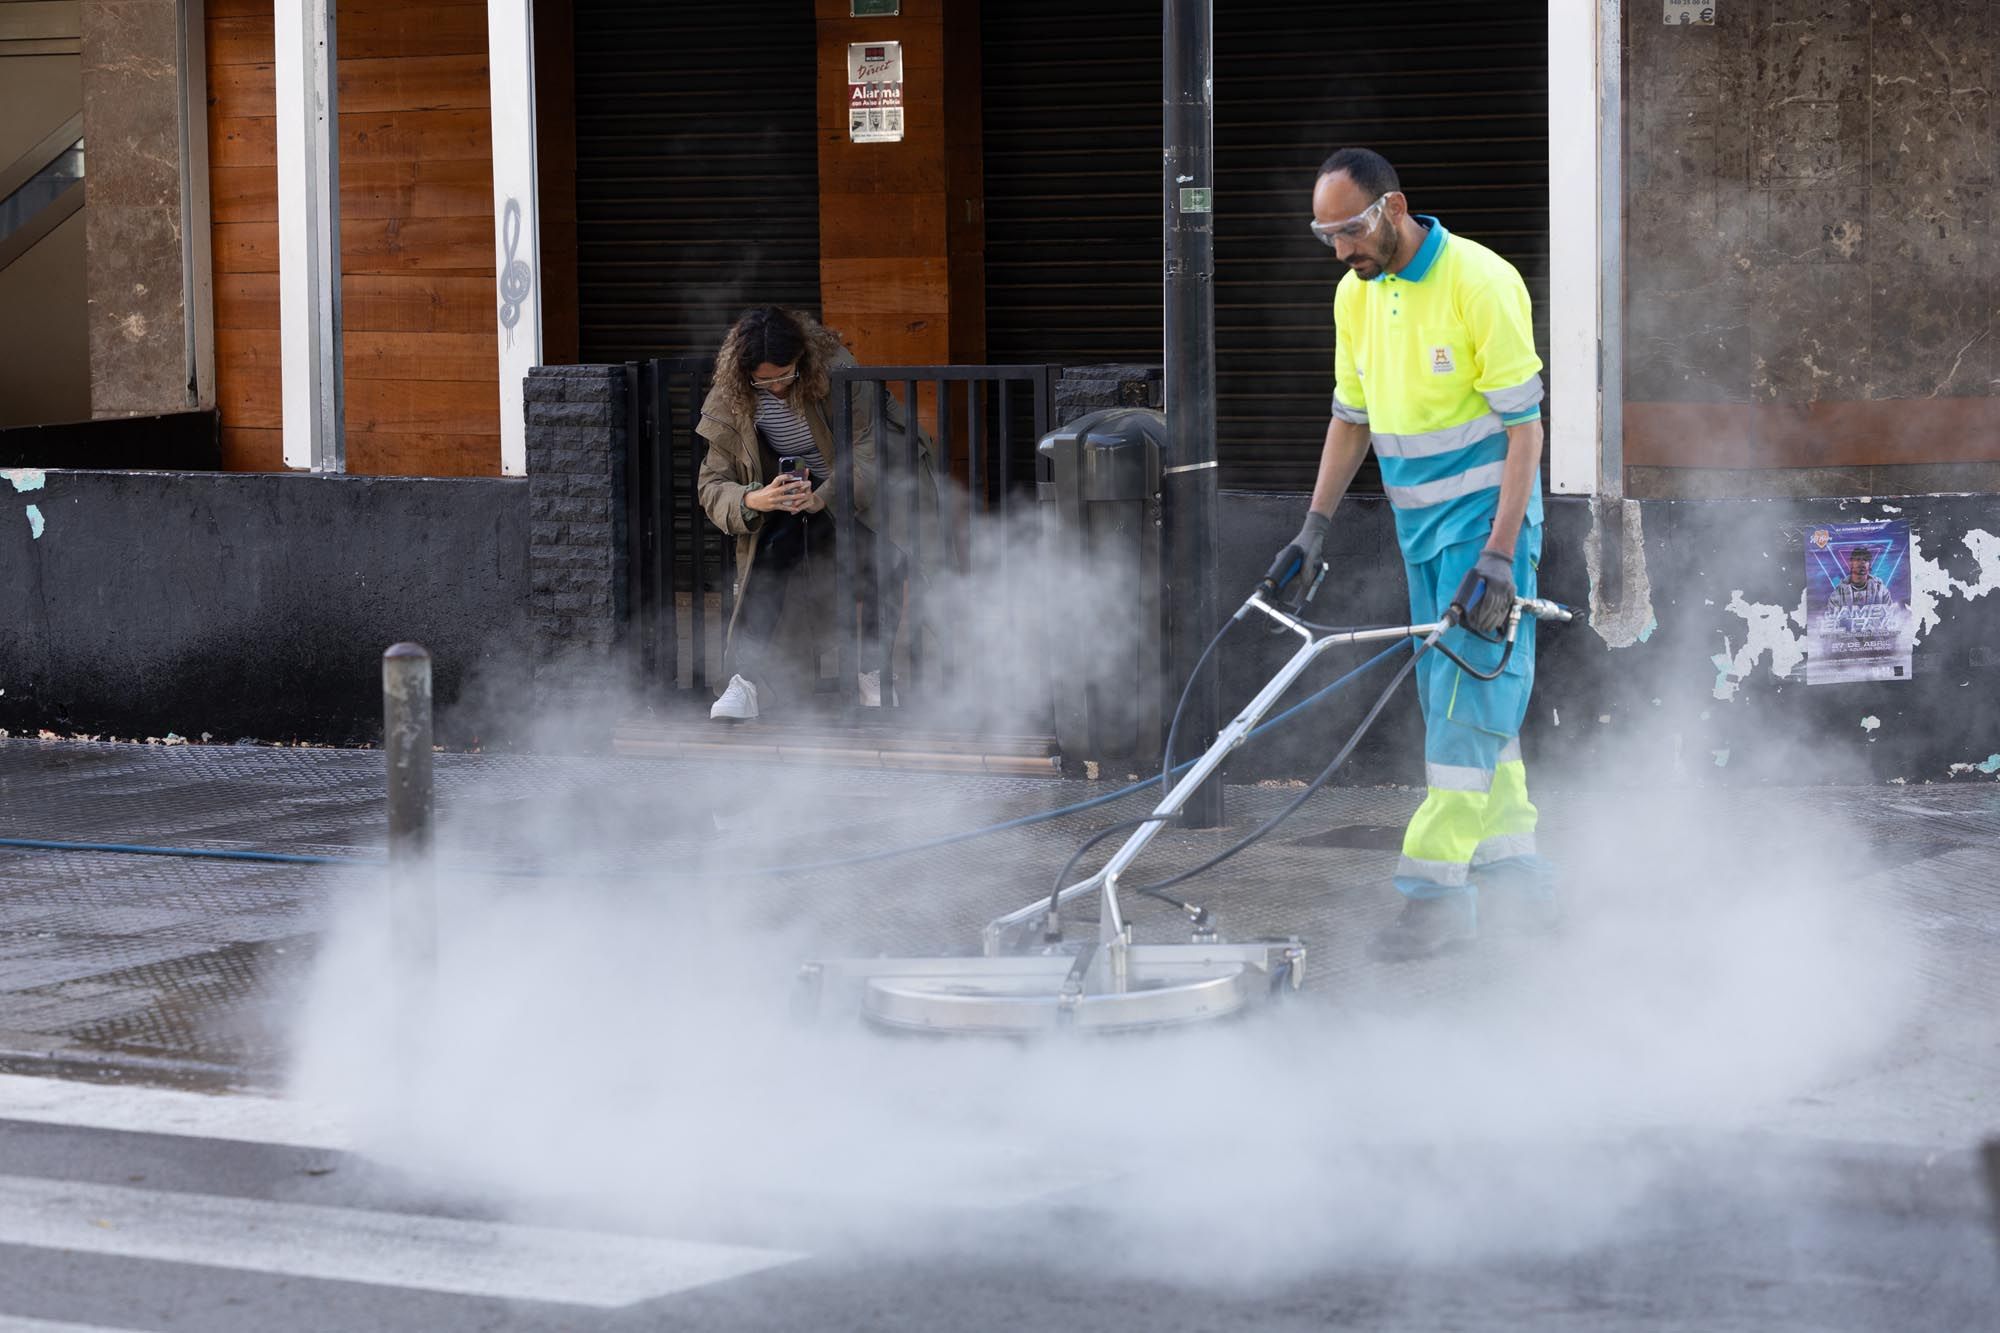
{"x": 1098, "y": 481}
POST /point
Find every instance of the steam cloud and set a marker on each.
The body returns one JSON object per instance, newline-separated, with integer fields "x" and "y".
{"x": 624, "y": 1050}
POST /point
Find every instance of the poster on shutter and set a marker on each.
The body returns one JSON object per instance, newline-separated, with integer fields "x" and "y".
{"x": 1691, "y": 13}
{"x": 875, "y": 92}
{"x": 1858, "y": 602}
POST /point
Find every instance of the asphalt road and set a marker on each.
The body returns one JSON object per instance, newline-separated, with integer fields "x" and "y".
{"x": 234, "y": 1214}
{"x": 1741, "y": 1090}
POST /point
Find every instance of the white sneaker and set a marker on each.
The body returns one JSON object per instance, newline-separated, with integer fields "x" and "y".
{"x": 871, "y": 689}
{"x": 738, "y": 703}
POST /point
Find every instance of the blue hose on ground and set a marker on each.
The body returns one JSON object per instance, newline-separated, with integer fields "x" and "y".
{"x": 204, "y": 853}
{"x": 864, "y": 858}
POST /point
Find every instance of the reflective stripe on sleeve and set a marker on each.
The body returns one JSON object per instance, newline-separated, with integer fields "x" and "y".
{"x": 1520, "y": 398}
{"x": 1428, "y": 493}
{"x": 1353, "y": 416}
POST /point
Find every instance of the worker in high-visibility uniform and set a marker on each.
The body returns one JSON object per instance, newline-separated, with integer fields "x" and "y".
{"x": 1434, "y": 360}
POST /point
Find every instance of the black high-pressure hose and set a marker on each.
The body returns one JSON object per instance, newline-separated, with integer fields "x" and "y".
{"x": 1453, "y": 616}
{"x": 1326, "y": 774}
{"x": 1158, "y": 890}
{"x": 1506, "y": 649}
{"x": 1062, "y": 876}
{"x": 1187, "y": 691}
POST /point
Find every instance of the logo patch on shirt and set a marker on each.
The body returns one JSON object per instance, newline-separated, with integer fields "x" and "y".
{"x": 1441, "y": 362}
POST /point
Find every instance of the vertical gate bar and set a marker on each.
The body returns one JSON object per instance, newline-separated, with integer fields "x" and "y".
{"x": 885, "y": 643}
{"x": 648, "y": 534}
{"x": 909, "y": 622}
{"x": 1003, "y": 449}
{"x": 844, "y": 600}
{"x": 1005, "y": 388}
{"x": 658, "y": 488}
{"x": 635, "y": 517}
{"x": 975, "y": 518}
{"x": 698, "y": 541}
{"x": 726, "y": 576}
{"x": 975, "y": 455}
{"x": 1039, "y": 607}
{"x": 668, "y": 566}
{"x": 947, "y": 511}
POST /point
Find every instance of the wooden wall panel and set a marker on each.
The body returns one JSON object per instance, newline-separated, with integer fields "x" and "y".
{"x": 416, "y": 209}
{"x": 901, "y": 225}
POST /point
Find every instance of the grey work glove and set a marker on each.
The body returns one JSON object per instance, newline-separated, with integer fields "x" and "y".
{"x": 1486, "y": 594}
{"x": 1302, "y": 556}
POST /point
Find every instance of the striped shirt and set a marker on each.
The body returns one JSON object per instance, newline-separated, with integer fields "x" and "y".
{"x": 788, "y": 433}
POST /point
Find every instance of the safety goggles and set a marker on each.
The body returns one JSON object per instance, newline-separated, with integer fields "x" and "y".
{"x": 1354, "y": 229}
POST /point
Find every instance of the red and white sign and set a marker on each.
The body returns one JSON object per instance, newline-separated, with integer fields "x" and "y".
{"x": 875, "y": 92}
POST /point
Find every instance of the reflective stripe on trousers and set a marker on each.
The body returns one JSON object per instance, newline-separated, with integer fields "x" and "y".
{"x": 1476, "y": 812}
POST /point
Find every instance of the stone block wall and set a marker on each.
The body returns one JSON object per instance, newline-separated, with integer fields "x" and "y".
{"x": 1086, "y": 389}
{"x": 576, "y": 450}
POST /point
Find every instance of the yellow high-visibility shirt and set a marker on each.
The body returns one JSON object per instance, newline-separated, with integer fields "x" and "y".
{"x": 1437, "y": 361}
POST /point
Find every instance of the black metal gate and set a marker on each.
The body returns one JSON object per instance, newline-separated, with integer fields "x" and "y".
{"x": 676, "y": 561}
{"x": 964, "y": 561}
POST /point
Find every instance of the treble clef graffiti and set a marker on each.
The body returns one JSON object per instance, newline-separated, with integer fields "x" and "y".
{"x": 516, "y": 278}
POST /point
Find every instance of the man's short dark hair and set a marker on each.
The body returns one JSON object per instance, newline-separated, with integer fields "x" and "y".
{"x": 1367, "y": 168}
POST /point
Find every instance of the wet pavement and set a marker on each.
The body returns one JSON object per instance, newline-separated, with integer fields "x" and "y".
{"x": 1819, "y": 962}
{"x": 163, "y": 961}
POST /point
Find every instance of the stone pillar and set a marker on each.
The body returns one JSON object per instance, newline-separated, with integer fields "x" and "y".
{"x": 576, "y": 453}
{"x": 145, "y": 130}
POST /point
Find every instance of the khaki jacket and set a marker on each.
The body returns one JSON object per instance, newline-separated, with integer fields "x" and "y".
{"x": 733, "y": 467}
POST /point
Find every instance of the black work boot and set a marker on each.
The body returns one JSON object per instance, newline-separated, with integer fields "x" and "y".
{"x": 1426, "y": 926}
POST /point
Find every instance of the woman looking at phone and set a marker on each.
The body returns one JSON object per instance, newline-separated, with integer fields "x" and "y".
{"x": 768, "y": 481}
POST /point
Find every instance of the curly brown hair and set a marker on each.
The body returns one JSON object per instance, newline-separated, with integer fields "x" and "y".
{"x": 779, "y": 336}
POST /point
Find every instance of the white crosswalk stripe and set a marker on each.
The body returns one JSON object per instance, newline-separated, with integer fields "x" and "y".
{"x": 235, "y": 1119}
{"x": 347, "y": 1244}
{"x": 356, "y": 1245}
{"x": 16, "y": 1324}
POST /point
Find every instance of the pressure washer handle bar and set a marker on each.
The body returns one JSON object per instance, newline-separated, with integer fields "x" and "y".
{"x": 1287, "y": 567}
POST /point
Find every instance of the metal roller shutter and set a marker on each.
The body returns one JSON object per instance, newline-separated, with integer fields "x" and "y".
{"x": 697, "y": 171}
{"x": 1455, "y": 94}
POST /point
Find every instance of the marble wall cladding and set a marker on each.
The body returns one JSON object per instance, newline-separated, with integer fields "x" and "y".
{"x": 1809, "y": 203}
{"x": 132, "y": 108}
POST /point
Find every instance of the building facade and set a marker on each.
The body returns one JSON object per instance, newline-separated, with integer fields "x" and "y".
{"x": 1760, "y": 247}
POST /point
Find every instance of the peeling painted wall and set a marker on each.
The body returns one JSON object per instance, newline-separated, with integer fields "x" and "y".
{"x": 1694, "y": 671}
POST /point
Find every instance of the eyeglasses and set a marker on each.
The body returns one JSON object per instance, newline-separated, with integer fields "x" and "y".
{"x": 775, "y": 382}
{"x": 1354, "y": 228}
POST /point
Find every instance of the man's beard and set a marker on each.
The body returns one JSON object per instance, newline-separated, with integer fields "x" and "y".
{"x": 1388, "y": 257}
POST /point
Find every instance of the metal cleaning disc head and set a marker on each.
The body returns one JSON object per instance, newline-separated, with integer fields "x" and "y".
{"x": 1027, "y": 1005}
